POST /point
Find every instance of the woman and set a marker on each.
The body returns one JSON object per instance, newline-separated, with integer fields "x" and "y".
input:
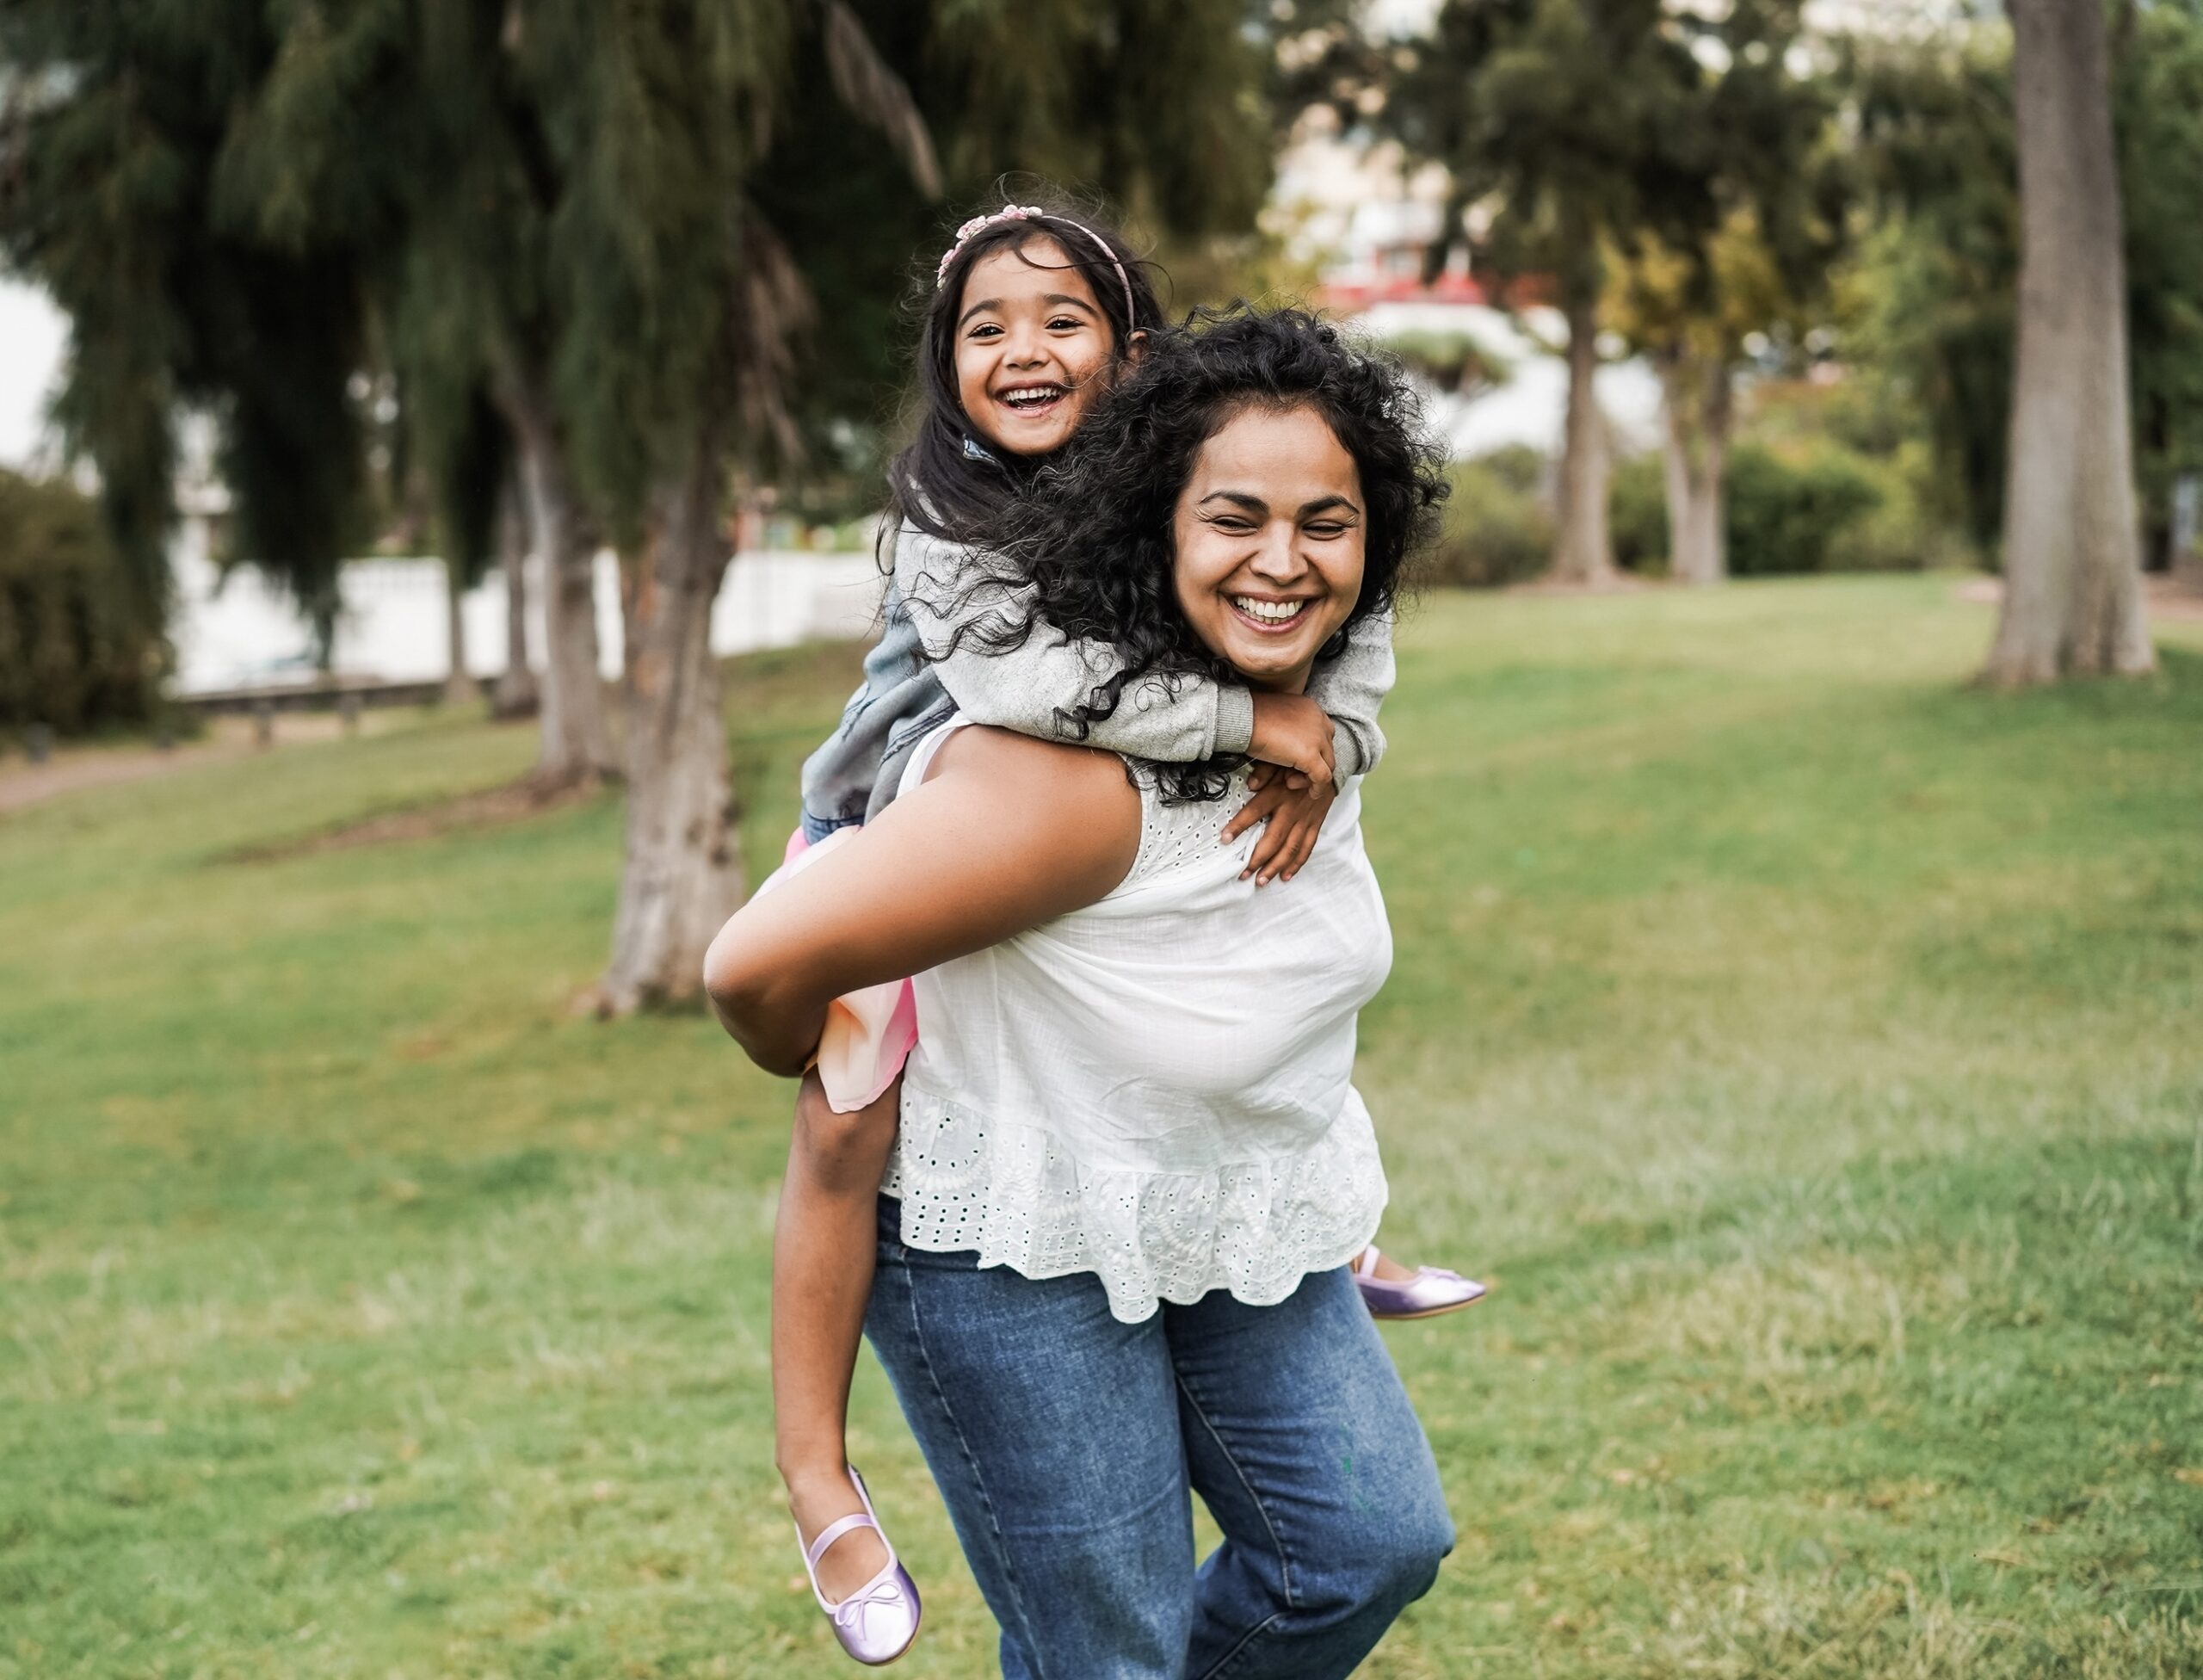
{"x": 1131, "y": 1167}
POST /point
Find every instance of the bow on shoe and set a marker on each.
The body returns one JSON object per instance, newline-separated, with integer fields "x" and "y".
{"x": 885, "y": 1593}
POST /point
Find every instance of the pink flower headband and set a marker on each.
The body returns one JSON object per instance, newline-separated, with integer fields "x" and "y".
{"x": 1025, "y": 213}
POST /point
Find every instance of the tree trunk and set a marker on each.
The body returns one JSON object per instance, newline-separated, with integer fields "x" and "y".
{"x": 1699, "y": 404}
{"x": 683, "y": 873}
{"x": 2072, "y": 550}
{"x": 577, "y": 734}
{"x": 458, "y": 684}
{"x": 516, "y": 694}
{"x": 1583, "y": 549}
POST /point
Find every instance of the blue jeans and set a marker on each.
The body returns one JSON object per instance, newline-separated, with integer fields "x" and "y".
{"x": 1066, "y": 1445}
{"x": 816, "y": 829}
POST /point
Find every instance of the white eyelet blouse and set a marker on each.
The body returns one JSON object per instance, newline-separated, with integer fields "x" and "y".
{"x": 1157, "y": 1089}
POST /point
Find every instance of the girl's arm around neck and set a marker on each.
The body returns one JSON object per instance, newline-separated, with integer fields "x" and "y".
{"x": 1025, "y": 686}
{"x": 1005, "y": 833}
{"x": 1351, "y": 687}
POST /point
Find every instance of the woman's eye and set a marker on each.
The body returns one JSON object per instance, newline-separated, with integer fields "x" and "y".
{"x": 1237, "y": 526}
{"x": 1325, "y": 532}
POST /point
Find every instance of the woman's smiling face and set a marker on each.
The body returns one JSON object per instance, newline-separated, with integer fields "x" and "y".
{"x": 1269, "y": 532}
{"x": 1034, "y": 350}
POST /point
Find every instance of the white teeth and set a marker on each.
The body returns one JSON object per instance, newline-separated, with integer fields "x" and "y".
{"x": 1270, "y": 612}
{"x": 1025, "y": 396}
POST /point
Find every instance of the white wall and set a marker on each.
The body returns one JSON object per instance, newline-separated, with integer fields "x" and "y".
{"x": 244, "y": 632}
{"x": 1532, "y": 405}
{"x": 32, "y": 333}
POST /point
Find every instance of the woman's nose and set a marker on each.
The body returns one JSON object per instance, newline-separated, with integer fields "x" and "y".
{"x": 1277, "y": 558}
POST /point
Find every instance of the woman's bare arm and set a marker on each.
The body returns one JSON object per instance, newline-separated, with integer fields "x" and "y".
{"x": 1005, "y": 833}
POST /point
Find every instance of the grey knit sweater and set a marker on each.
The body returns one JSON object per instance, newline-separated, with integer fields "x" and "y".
{"x": 916, "y": 676}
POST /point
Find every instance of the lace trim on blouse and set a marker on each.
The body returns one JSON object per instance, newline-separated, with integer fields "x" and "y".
{"x": 1023, "y": 1200}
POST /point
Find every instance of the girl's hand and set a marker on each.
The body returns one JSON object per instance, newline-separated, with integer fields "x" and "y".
{"x": 1293, "y": 817}
{"x": 1294, "y": 732}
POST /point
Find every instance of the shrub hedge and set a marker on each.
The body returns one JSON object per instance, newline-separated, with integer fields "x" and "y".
{"x": 79, "y": 649}
{"x": 1498, "y": 526}
{"x": 1825, "y": 508}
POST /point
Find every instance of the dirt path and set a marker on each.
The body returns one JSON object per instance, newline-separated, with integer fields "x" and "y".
{"x": 23, "y": 784}
{"x": 2167, "y": 597}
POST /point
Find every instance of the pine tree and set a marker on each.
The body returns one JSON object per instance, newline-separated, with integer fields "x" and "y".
{"x": 568, "y": 211}
{"x": 126, "y": 191}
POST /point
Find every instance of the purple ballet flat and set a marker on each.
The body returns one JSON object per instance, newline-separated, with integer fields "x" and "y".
{"x": 1431, "y": 1291}
{"x": 878, "y": 1622}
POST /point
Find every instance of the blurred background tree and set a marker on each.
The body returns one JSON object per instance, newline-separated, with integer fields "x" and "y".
{"x": 1936, "y": 297}
{"x": 125, "y": 188}
{"x": 2072, "y": 549}
{"x": 78, "y": 649}
{"x": 1760, "y": 193}
{"x": 1562, "y": 127}
{"x": 537, "y": 274}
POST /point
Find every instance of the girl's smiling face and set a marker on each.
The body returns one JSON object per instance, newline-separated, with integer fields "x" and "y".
{"x": 1270, "y": 534}
{"x": 1034, "y": 350}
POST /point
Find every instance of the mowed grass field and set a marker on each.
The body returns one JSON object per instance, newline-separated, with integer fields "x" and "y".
{"x": 1809, "y": 1047}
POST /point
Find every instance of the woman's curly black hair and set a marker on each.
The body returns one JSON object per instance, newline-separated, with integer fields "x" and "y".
{"x": 1088, "y": 550}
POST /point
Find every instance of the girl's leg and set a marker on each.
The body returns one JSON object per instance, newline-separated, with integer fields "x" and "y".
{"x": 1303, "y": 1444}
{"x": 823, "y": 1247}
{"x": 1051, "y": 1430}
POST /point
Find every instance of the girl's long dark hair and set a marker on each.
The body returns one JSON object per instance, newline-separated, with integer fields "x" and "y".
{"x": 947, "y": 481}
{"x": 1088, "y": 550}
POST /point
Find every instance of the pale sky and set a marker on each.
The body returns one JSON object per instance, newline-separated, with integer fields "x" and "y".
{"x": 31, "y": 333}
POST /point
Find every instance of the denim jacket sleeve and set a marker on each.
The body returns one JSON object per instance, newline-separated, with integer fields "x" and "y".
{"x": 899, "y": 697}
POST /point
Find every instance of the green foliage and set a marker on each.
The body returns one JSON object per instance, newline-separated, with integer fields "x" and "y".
{"x": 1562, "y": 120}
{"x": 1786, "y": 517}
{"x": 1932, "y": 306}
{"x": 125, "y": 188}
{"x": 1638, "y": 516}
{"x": 1497, "y": 529}
{"x": 1456, "y": 362}
{"x": 1820, "y": 507}
{"x": 1804, "y": 1041}
{"x": 77, "y": 651}
{"x": 1158, "y": 103}
{"x": 2157, "y": 95}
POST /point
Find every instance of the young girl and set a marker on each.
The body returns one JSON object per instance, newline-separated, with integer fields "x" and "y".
{"x": 1032, "y": 314}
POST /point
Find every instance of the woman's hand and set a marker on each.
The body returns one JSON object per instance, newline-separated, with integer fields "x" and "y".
{"x": 1293, "y": 817}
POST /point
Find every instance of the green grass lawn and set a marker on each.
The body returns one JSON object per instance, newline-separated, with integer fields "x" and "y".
{"x": 1810, "y": 1047}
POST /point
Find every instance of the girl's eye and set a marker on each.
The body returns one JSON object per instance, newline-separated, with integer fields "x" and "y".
{"x": 1065, "y": 323}
{"x": 985, "y": 330}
